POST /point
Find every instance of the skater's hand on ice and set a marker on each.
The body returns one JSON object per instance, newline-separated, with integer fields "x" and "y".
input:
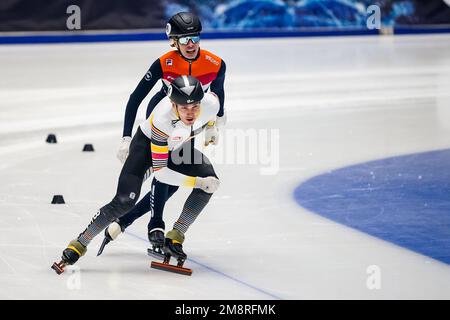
{"x": 122, "y": 154}
{"x": 208, "y": 184}
{"x": 211, "y": 135}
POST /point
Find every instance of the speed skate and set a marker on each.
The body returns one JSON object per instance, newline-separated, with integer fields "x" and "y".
{"x": 166, "y": 266}
{"x": 59, "y": 267}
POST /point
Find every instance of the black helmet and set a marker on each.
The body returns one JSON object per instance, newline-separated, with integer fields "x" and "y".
{"x": 183, "y": 24}
{"x": 185, "y": 90}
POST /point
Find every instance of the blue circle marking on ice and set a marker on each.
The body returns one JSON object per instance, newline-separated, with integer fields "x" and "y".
{"x": 404, "y": 200}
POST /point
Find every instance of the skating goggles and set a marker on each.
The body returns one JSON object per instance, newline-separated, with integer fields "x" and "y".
{"x": 185, "y": 40}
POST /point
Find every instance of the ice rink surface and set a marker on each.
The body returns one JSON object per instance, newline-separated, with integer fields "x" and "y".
{"x": 335, "y": 102}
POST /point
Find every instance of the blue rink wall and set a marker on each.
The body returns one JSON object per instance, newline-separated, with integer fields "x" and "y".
{"x": 404, "y": 200}
{"x": 77, "y": 37}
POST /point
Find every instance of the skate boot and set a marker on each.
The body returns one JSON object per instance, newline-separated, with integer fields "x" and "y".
{"x": 156, "y": 238}
{"x": 173, "y": 246}
{"x": 70, "y": 255}
{"x": 111, "y": 233}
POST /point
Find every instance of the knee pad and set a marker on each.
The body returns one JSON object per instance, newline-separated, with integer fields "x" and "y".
{"x": 119, "y": 206}
{"x": 126, "y": 201}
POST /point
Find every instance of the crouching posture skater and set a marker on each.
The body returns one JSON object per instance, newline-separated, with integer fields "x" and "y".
{"x": 160, "y": 143}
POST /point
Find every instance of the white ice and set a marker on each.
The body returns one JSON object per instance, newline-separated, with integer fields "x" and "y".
{"x": 335, "y": 101}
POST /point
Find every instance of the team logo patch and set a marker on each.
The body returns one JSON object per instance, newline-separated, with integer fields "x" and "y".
{"x": 169, "y": 62}
{"x": 212, "y": 60}
{"x": 148, "y": 76}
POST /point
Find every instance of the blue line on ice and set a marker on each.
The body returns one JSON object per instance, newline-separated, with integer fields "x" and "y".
{"x": 219, "y": 272}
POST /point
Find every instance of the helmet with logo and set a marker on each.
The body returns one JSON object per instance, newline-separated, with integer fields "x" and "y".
{"x": 183, "y": 24}
{"x": 185, "y": 90}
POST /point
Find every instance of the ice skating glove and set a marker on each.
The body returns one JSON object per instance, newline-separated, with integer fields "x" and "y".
{"x": 213, "y": 129}
{"x": 211, "y": 134}
{"x": 208, "y": 184}
{"x": 124, "y": 148}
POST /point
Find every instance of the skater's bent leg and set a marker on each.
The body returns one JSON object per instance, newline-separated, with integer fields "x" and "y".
{"x": 141, "y": 208}
{"x": 198, "y": 199}
{"x": 172, "y": 190}
{"x": 195, "y": 203}
{"x": 124, "y": 200}
{"x": 160, "y": 193}
{"x": 128, "y": 189}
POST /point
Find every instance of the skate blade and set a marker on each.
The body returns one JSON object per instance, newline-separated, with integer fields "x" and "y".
{"x": 102, "y": 247}
{"x": 58, "y": 267}
{"x": 155, "y": 254}
{"x": 171, "y": 268}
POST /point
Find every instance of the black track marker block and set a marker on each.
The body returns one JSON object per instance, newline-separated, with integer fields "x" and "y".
{"x": 88, "y": 147}
{"x": 51, "y": 138}
{"x": 58, "y": 199}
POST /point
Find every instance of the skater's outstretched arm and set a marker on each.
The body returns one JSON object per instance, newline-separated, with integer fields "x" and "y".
{"x": 143, "y": 88}
{"x": 145, "y": 85}
{"x": 217, "y": 88}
